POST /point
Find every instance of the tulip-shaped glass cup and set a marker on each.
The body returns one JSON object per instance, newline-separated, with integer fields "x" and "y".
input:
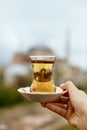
{"x": 42, "y": 71}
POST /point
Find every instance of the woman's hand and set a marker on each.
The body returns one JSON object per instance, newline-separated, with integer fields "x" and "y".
{"x": 72, "y": 107}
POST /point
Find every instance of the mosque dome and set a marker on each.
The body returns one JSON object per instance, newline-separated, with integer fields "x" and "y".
{"x": 40, "y": 49}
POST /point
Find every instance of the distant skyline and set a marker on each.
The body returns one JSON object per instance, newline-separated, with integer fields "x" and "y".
{"x": 24, "y": 23}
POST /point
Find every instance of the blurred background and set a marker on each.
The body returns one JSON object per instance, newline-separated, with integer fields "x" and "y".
{"x": 39, "y": 27}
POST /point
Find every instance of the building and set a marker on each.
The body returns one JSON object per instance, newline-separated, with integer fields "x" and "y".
{"x": 22, "y": 68}
{"x": 40, "y": 49}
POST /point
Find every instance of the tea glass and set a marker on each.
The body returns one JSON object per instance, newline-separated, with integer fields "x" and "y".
{"x": 42, "y": 74}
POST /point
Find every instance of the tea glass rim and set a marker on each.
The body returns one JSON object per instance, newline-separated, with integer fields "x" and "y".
{"x": 42, "y": 57}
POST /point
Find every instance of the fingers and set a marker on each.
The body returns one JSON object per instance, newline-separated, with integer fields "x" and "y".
{"x": 56, "y": 108}
{"x": 70, "y": 87}
{"x": 65, "y": 106}
{"x": 63, "y": 110}
{"x": 66, "y": 94}
{"x": 69, "y": 111}
{"x": 62, "y": 99}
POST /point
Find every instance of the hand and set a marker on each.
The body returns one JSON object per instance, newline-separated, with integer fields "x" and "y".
{"x": 73, "y": 108}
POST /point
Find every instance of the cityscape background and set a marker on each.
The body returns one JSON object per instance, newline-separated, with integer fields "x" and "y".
{"x": 39, "y": 27}
{"x": 24, "y": 23}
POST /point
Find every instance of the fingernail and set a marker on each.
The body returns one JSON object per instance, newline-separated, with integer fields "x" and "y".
{"x": 61, "y": 84}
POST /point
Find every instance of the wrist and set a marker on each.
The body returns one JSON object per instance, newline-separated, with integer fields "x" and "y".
{"x": 83, "y": 121}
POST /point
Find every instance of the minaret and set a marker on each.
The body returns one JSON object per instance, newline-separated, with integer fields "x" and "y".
{"x": 67, "y": 44}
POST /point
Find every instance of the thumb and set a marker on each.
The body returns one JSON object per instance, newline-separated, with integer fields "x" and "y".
{"x": 78, "y": 98}
{"x": 70, "y": 87}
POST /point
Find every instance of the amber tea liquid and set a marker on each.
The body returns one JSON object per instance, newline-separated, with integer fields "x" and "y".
{"x": 42, "y": 70}
{"x": 42, "y": 81}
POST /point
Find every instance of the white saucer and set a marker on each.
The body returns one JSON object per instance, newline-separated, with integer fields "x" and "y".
{"x": 41, "y": 97}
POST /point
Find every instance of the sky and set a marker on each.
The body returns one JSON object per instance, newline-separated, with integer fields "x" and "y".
{"x": 24, "y": 23}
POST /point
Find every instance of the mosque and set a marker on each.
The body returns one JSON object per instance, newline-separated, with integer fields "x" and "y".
{"x": 63, "y": 70}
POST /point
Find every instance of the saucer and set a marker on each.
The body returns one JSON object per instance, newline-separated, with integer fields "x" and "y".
{"x": 39, "y": 96}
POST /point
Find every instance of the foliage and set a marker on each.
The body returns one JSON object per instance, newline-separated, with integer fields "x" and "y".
{"x": 68, "y": 127}
{"x": 9, "y": 96}
{"x": 82, "y": 87}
